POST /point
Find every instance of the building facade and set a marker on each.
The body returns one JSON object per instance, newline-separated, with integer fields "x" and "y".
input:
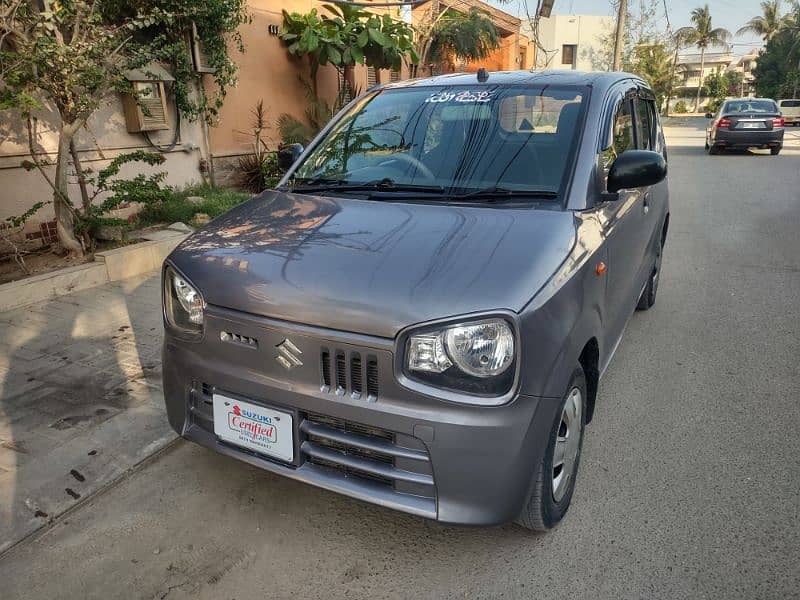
{"x": 578, "y": 42}
{"x": 107, "y": 134}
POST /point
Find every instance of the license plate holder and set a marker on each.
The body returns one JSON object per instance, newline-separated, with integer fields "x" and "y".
{"x": 753, "y": 125}
{"x": 254, "y": 427}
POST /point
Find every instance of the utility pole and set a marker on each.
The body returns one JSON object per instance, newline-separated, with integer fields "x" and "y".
{"x": 619, "y": 35}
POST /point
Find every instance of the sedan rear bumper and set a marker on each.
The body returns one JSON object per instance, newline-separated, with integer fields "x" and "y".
{"x": 735, "y": 138}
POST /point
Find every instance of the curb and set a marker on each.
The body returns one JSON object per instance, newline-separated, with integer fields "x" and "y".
{"x": 111, "y": 265}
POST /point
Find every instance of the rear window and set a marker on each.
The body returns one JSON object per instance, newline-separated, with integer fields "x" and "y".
{"x": 790, "y": 103}
{"x": 750, "y": 106}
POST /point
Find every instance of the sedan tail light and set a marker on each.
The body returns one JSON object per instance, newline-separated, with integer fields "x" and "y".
{"x": 777, "y": 122}
{"x": 723, "y": 123}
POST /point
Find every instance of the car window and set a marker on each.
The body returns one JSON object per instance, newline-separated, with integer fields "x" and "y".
{"x": 622, "y": 137}
{"x": 790, "y": 103}
{"x": 645, "y": 123}
{"x": 459, "y": 138}
{"x": 750, "y": 106}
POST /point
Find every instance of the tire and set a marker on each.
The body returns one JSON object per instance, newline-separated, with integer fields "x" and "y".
{"x": 713, "y": 150}
{"x": 648, "y": 297}
{"x": 551, "y": 489}
{"x": 775, "y": 151}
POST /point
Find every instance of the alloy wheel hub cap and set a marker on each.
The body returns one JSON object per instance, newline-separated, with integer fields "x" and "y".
{"x": 568, "y": 440}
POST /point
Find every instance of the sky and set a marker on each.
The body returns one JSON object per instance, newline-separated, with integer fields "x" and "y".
{"x": 730, "y": 14}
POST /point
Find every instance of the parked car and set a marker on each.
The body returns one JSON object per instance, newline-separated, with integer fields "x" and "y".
{"x": 744, "y": 123}
{"x": 790, "y": 110}
{"x": 419, "y": 314}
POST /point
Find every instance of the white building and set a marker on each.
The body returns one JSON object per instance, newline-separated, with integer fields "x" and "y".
{"x": 689, "y": 68}
{"x": 572, "y": 41}
{"x": 745, "y": 65}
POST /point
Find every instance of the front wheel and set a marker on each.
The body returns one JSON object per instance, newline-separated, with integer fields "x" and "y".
{"x": 648, "y": 297}
{"x": 775, "y": 151}
{"x": 554, "y": 479}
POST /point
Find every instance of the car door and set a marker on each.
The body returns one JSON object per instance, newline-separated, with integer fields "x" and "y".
{"x": 624, "y": 222}
{"x": 654, "y": 198}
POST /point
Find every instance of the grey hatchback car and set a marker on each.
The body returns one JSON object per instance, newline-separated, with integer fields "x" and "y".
{"x": 419, "y": 314}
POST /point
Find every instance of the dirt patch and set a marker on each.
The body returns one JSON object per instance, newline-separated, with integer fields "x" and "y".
{"x": 45, "y": 261}
{"x": 38, "y": 263}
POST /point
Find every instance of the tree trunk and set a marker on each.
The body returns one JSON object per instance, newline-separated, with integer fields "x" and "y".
{"x": 671, "y": 81}
{"x": 350, "y": 78}
{"x": 65, "y": 213}
{"x": 700, "y": 84}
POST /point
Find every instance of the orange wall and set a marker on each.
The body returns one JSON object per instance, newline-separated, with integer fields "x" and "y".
{"x": 267, "y": 72}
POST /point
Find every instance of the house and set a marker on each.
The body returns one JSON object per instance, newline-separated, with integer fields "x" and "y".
{"x": 578, "y": 42}
{"x": 689, "y": 69}
{"x": 516, "y": 51}
{"x": 745, "y": 65}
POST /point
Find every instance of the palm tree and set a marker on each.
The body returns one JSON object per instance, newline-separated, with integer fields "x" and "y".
{"x": 768, "y": 23}
{"x": 466, "y": 36}
{"x": 702, "y": 35}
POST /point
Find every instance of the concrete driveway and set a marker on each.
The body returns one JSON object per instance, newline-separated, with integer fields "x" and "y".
{"x": 689, "y": 485}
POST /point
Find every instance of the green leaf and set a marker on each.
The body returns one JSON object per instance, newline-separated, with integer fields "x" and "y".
{"x": 334, "y": 56}
{"x": 358, "y": 55}
{"x": 363, "y": 38}
{"x": 378, "y": 37}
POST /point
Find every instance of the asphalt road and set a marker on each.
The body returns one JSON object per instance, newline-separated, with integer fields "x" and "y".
{"x": 689, "y": 485}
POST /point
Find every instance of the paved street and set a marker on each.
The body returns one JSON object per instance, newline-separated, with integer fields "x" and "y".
{"x": 689, "y": 485}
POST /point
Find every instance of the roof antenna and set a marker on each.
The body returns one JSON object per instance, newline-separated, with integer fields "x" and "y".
{"x": 483, "y": 75}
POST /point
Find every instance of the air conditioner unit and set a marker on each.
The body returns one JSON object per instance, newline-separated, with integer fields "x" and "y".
{"x": 199, "y": 57}
{"x": 147, "y": 110}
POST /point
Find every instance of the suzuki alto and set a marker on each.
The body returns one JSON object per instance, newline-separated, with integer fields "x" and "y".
{"x": 419, "y": 314}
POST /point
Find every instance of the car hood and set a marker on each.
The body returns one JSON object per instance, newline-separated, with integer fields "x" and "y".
{"x": 373, "y": 267}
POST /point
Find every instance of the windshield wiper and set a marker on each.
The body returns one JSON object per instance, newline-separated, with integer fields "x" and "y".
{"x": 495, "y": 193}
{"x": 381, "y": 185}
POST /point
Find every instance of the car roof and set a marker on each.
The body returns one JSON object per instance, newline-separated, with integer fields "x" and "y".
{"x": 598, "y": 79}
{"x": 749, "y": 100}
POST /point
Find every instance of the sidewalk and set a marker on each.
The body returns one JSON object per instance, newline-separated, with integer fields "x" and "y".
{"x": 80, "y": 398}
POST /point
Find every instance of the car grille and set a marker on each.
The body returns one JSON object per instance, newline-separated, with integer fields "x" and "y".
{"x": 346, "y": 373}
{"x": 346, "y": 449}
{"x": 356, "y": 450}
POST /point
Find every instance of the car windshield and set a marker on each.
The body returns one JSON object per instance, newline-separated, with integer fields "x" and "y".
{"x": 751, "y": 106}
{"x": 451, "y": 140}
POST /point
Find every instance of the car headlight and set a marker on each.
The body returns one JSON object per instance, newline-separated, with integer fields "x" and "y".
{"x": 475, "y": 357}
{"x": 183, "y": 304}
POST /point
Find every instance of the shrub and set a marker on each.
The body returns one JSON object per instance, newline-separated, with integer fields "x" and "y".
{"x": 714, "y": 105}
{"x": 258, "y": 170}
{"x": 680, "y": 107}
{"x": 177, "y": 208}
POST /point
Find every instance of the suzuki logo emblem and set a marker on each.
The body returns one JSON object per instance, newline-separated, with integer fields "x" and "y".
{"x": 288, "y": 355}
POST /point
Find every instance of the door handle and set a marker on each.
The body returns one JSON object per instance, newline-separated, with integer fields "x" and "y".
{"x": 646, "y": 203}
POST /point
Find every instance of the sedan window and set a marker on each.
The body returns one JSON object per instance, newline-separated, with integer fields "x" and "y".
{"x": 750, "y": 106}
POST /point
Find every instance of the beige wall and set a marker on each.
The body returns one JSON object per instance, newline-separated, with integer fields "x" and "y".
{"x": 104, "y": 137}
{"x": 585, "y": 31}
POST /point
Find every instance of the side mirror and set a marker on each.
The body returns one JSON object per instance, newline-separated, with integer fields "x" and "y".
{"x": 709, "y": 115}
{"x": 635, "y": 169}
{"x": 288, "y": 155}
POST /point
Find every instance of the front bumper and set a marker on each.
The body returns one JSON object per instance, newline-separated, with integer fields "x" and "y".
{"x": 771, "y": 138}
{"x": 365, "y": 437}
